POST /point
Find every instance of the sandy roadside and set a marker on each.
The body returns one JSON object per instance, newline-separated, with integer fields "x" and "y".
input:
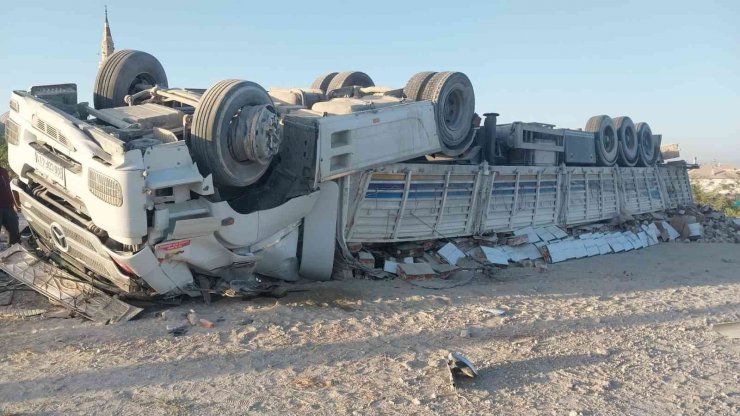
{"x": 625, "y": 333}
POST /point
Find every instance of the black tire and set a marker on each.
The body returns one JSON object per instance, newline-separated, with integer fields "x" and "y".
{"x": 605, "y": 137}
{"x": 646, "y": 155}
{"x": 628, "y": 145}
{"x": 124, "y": 73}
{"x": 350, "y": 78}
{"x": 209, "y": 139}
{"x": 322, "y": 82}
{"x": 415, "y": 86}
{"x": 453, "y": 98}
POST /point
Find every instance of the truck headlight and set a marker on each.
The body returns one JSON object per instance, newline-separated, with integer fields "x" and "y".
{"x": 104, "y": 187}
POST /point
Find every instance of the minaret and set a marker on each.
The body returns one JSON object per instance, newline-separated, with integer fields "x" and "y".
{"x": 106, "y": 46}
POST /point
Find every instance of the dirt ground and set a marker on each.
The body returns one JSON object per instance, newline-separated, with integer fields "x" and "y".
{"x": 626, "y": 333}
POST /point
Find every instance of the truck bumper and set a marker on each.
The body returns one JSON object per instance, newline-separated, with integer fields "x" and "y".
{"x": 73, "y": 243}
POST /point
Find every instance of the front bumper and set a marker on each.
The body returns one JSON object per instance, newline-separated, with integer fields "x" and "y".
{"x": 71, "y": 242}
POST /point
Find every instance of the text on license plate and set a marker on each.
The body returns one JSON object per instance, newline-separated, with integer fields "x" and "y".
{"x": 50, "y": 166}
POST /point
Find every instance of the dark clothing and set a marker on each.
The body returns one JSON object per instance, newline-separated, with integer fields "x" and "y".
{"x": 10, "y": 221}
{"x": 6, "y": 197}
{"x": 8, "y": 217}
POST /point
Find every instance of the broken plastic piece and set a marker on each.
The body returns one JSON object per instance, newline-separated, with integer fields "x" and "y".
{"x": 460, "y": 366}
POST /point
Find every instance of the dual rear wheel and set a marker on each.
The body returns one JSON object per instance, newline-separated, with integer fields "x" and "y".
{"x": 621, "y": 142}
{"x": 453, "y": 98}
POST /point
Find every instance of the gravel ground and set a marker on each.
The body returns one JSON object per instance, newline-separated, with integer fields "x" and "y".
{"x": 620, "y": 334}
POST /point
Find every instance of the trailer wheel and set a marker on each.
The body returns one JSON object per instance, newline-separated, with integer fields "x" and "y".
{"x": 415, "y": 85}
{"x": 124, "y": 73}
{"x": 350, "y": 78}
{"x": 322, "y": 81}
{"x": 235, "y": 132}
{"x": 454, "y": 109}
{"x": 606, "y": 139}
{"x": 628, "y": 145}
{"x": 647, "y": 148}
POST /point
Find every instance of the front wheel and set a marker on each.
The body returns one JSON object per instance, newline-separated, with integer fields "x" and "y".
{"x": 126, "y": 72}
{"x": 235, "y": 132}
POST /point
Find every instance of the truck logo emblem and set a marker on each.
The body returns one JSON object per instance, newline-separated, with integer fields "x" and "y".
{"x": 58, "y": 237}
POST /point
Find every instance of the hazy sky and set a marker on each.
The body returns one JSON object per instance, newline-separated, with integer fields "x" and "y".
{"x": 674, "y": 64}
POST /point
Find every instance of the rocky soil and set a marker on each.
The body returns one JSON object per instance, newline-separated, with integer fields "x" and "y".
{"x": 627, "y": 333}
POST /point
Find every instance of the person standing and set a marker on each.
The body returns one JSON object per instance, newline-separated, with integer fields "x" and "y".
{"x": 8, "y": 208}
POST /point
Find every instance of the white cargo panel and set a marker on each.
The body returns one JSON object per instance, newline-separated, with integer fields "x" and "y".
{"x": 424, "y": 201}
{"x": 521, "y": 196}
{"x": 676, "y": 185}
{"x": 592, "y": 194}
{"x": 641, "y": 190}
{"x": 413, "y": 202}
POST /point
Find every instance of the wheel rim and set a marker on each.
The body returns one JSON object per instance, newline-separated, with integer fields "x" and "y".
{"x": 452, "y": 111}
{"x": 629, "y": 136}
{"x": 253, "y": 134}
{"x": 648, "y": 150}
{"x": 141, "y": 82}
{"x": 609, "y": 140}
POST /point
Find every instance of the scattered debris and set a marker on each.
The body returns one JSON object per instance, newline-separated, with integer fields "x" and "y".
{"x": 451, "y": 253}
{"x": 366, "y": 258}
{"x": 444, "y": 270}
{"x": 495, "y": 312}
{"x": 59, "y": 313}
{"x": 432, "y": 261}
{"x": 496, "y": 255}
{"x": 728, "y": 329}
{"x": 20, "y": 312}
{"x": 415, "y": 271}
{"x": 192, "y": 317}
{"x": 517, "y": 240}
{"x": 457, "y": 278}
{"x": 205, "y": 323}
{"x": 460, "y": 366}
{"x": 390, "y": 266}
{"x": 64, "y": 288}
{"x": 164, "y": 315}
{"x": 177, "y": 330}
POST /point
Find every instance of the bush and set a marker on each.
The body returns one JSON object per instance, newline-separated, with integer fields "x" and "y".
{"x": 718, "y": 201}
{"x": 4, "y": 153}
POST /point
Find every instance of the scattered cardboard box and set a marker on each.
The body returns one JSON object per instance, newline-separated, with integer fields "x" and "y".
{"x": 450, "y": 253}
{"x": 416, "y": 271}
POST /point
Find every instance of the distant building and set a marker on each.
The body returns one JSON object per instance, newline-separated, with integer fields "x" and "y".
{"x": 106, "y": 47}
{"x": 724, "y": 179}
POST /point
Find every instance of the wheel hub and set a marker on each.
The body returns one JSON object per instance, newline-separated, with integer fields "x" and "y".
{"x": 255, "y": 134}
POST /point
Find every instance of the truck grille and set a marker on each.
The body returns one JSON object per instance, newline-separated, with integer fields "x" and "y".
{"x": 105, "y": 188}
{"x": 83, "y": 248}
{"x": 50, "y": 131}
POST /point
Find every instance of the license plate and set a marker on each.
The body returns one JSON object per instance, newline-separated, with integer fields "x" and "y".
{"x": 51, "y": 167}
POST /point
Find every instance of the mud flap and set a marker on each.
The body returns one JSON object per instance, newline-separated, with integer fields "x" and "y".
{"x": 62, "y": 287}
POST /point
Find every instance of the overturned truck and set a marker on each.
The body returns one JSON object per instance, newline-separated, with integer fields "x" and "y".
{"x": 159, "y": 191}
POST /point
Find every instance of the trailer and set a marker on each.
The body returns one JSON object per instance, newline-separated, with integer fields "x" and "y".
{"x": 157, "y": 191}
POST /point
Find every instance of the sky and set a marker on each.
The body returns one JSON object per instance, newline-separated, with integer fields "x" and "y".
{"x": 674, "y": 64}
